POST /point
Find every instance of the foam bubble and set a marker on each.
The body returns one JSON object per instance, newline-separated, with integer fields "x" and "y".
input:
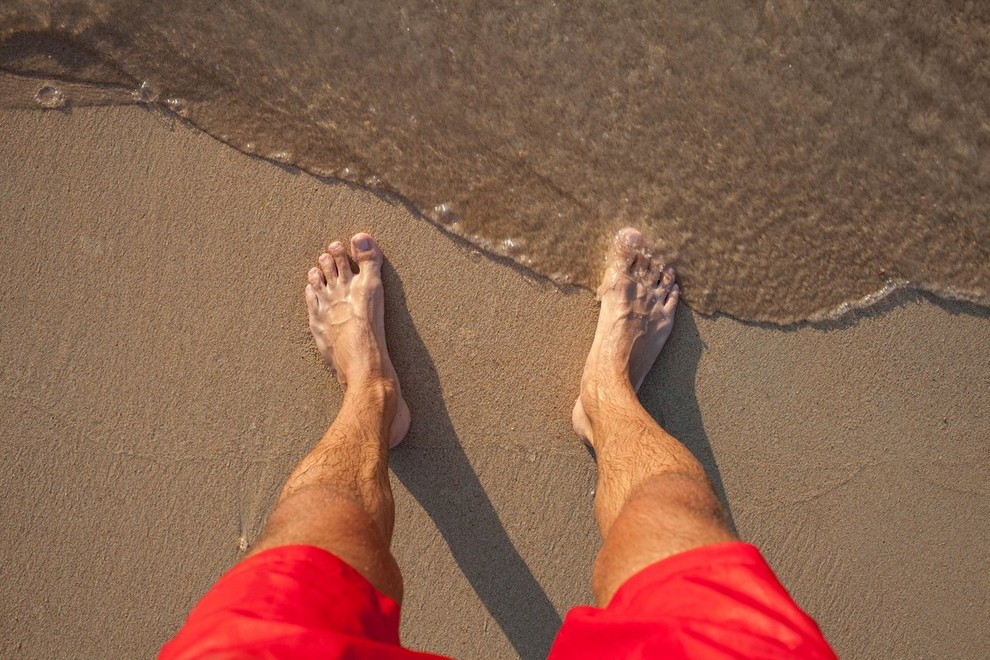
{"x": 50, "y": 97}
{"x": 177, "y": 105}
{"x": 512, "y": 246}
{"x": 442, "y": 214}
{"x": 146, "y": 93}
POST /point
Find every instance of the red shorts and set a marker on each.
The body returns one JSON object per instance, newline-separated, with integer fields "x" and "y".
{"x": 718, "y": 601}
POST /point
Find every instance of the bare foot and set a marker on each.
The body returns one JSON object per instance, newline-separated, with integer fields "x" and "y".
{"x": 638, "y": 298}
{"x": 347, "y": 319}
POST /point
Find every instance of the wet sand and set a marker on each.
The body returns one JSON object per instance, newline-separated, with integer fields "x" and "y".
{"x": 159, "y": 383}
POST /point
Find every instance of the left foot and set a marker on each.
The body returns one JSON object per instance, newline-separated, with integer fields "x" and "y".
{"x": 347, "y": 319}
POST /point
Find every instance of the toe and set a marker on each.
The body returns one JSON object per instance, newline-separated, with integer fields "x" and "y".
{"x": 328, "y": 268}
{"x": 667, "y": 276}
{"x": 672, "y": 299}
{"x": 629, "y": 236}
{"x": 656, "y": 268}
{"x": 339, "y": 256}
{"x": 312, "y": 300}
{"x": 316, "y": 279}
{"x": 627, "y": 247}
{"x": 645, "y": 266}
{"x": 366, "y": 252}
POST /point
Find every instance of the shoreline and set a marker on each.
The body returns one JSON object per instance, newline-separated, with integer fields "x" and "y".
{"x": 16, "y": 94}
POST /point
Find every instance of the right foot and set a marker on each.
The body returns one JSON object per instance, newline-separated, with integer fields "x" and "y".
{"x": 347, "y": 319}
{"x": 638, "y": 297}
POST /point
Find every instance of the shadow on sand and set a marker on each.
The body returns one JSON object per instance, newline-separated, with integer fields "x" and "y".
{"x": 438, "y": 474}
{"x": 668, "y": 394}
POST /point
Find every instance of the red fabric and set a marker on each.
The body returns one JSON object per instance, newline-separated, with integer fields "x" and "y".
{"x": 293, "y": 601}
{"x": 717, "y": 601}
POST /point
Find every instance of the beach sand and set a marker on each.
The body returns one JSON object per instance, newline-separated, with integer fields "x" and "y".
{"x": 159, "y": 383}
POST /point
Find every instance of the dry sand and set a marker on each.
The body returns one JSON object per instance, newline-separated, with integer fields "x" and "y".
{"x": 159, "y": 383}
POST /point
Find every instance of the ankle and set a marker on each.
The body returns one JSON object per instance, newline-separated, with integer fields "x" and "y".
{"x": 614, "y": 392}
{"x": 379, "y": 392}
{"x": 612, "y": 413}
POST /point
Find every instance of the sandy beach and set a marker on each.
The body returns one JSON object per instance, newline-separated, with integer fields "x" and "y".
{"x": 159, "y": 383}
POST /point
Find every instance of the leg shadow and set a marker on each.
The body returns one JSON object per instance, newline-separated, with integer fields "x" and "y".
{"x": 668, "y": 394}
{"x": 432, "y": 465}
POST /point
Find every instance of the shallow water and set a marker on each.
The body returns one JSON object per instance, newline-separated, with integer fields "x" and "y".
{"x": 792, "y": 158}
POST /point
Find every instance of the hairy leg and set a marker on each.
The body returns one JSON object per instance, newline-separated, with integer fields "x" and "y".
{"x": 338, "y": 497}
{"x": 653, "y": 498}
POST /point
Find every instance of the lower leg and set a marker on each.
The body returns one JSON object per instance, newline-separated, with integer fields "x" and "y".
{"x": 338, "y": 498}
{"x": 653, "y": 498}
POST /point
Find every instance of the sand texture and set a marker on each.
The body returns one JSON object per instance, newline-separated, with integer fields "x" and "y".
{"x": 159, "y": 383}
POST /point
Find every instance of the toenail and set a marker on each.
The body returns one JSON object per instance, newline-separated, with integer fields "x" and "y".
{"x": 324, "y": 258}
{"x": 336, "y": 246}
{"x": 362, "y": 243}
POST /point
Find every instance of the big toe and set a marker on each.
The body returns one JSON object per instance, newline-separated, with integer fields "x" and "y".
{"x": 627, "y": 248}
{"x": 366, "y": 252}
